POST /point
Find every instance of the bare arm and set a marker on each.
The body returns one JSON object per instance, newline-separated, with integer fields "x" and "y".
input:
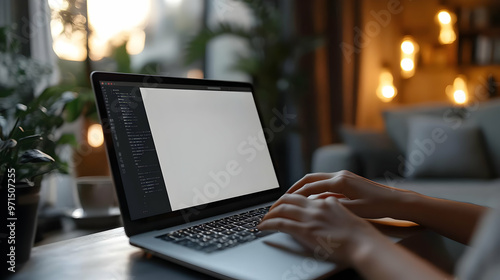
{"x": 369, "y": 199}
{"x": 455, "y": 220}
{"x": 378, "y": 258}
{"x": 352, "y": 240}
{"x": 328, "y": 228}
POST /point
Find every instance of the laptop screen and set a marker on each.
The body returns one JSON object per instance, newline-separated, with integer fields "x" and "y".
{"x": 179, "y": 146}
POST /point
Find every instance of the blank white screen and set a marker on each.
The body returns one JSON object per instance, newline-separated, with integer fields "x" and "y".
{"x": 200, "y": 133}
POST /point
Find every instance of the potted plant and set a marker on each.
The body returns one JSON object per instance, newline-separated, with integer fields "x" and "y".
{"x": 29, "y": 143}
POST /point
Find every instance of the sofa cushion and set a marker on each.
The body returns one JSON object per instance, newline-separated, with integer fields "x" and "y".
{"x": 396, "y": 120}
{"x": 487, "y": 117}
{"x": 436, "y": 149}
{"x": 375, "y": 150}
{"x": 334, "y": 157}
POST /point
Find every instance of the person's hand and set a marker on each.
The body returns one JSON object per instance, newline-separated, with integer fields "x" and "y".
{"x": 363, "y": 197}
{"x": 323, "y": 225}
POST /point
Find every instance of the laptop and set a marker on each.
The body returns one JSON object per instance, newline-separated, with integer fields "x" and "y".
{"x": 194, "y": 175}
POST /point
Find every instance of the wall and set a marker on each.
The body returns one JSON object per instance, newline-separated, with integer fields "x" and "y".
{"x": 436, "y": 65}
{"x": 378, "y": 49}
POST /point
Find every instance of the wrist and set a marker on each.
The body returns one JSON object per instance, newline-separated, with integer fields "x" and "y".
{"x": 361, "y": 244}
{"x": 406, "y": 205}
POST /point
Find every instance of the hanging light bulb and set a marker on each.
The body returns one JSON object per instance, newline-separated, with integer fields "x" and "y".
{"x": 409, "y": 49}
{"x": 95, "y": 137}
{"x": 458, "y": 92}
{"x": 386, "y": 90}
{"x": 446, "y": 20}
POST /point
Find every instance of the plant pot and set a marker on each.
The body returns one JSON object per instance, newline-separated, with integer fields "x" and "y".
{"x": 27, "y": 196}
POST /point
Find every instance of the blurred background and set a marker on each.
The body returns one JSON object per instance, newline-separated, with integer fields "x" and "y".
{"x": 329, "y": 63}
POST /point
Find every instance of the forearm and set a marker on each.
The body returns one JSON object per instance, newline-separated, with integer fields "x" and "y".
{"x": 378, "y": 258}
{"x": 455, "y": 220}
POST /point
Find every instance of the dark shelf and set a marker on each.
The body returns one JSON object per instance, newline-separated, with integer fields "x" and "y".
{"x": 478, "y": 41}
{"x": 489, "y": 32}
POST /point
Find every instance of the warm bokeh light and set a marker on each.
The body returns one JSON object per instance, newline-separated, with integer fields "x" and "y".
{"x": 458, "y": 92}
{"x": 195, "y": 74}
{"x": 111, "y": 17}
{"x": 67, "y": 46}
{"x": 407, "y": 47}
{"x": 95, "y": 138}
{"x": 409, "y": 50}
{"x": 460, "y": 97}
{"x": 112, "y": 22}
{"x": 459, "y": 82}
{"x": 444, "y": 17}
{"x": 56, "y": 27}
{"x": 446, "y": 20}
{"x": 115, "y": 27}
{"x": 386, "y": 90}
{"x": 71, "y": 48}
{"x": 136, "y": 41}
{"x": 447, "y": 35}
{"x": 97, "y": 44}
{"x": 407, "y": 64}
{"x": 58, "y": 4}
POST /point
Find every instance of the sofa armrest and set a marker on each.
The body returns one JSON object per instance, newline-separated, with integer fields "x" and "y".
{"x": 333, "y": 158}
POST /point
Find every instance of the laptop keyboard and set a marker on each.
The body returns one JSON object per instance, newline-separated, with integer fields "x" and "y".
{"x": 220, "y": 234}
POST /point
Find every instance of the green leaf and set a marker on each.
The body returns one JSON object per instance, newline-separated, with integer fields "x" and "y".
{"x": 58, "y": 106}
{"x": 43, "y": 110}
{"x": 74, "y": 109}
{"x": 31, "y": 137}
{"x": 16, "y": 130}
{"x": 6, "y": 92}
{"x": 31, "y": 170}
{"x": 63, "y": 167}
{"x": 67, "y": 139}
{"x": 122, "y": 59}
{"x": 3, "y": 125}
{"x": 21, "y": 109}
{"x": 52, "y": 94}
{"x": 92, "y": 114}
{"x": 28, "y": 142}
{"x": 35, "y": 156}
{"x": 249, "y": 65}
{"x": 8, "y": 144}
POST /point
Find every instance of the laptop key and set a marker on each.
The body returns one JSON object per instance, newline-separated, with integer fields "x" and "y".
{"x": 243, "y": 234}
{"x": 207, "y": 239}
{"x": 176, "y": 235}
{"x": 230, "y": 227}
{"x": 220, "y": 234}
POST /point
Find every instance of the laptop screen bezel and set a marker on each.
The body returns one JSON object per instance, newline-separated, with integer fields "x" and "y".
{"x": 133, "y": 227}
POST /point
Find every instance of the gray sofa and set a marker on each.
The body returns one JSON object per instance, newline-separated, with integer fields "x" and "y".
{"x": 437, "y": 150}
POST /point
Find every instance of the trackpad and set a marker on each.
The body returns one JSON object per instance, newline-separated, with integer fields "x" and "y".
{"x": 286, "y": 243}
